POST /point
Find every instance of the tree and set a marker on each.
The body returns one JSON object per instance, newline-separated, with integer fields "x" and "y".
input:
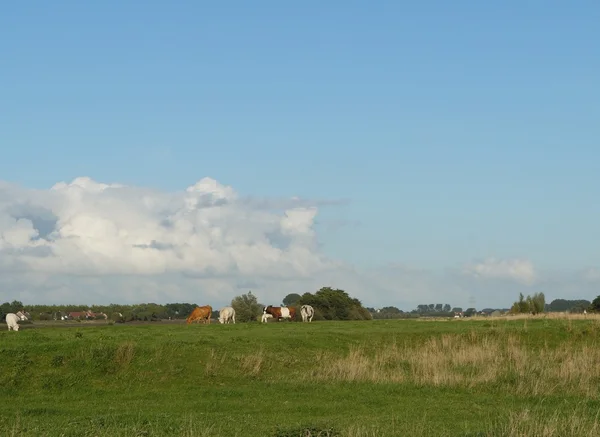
{"x": 457, "y": 310}
{"x": 13, "y": 307}
{"x": 422, "y": 308}
{"x": 447, "y": 308}
{"x": 291, "y": 299}
{"x": 595, "y": 305}
{"x": 390, "y": 310}
{"x": 439, "y": 307}
{"x": 335, "y": 304}
{"x": 532, "y": 304}
{"x": 431, "y": 307}
{"x": 246, "y": 307}
{"x": 470, "y": 312}
{"x": 179, "y": 310}
{"x": 522, "y": 305}
{"x": 568, "y": 305}
{"x": 537, "y": 303}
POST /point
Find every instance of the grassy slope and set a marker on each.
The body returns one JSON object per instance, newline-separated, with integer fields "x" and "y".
{"x": 363, "y": 378}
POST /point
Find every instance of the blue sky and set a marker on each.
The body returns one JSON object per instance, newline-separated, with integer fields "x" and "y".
{"x": 456, "y": 130}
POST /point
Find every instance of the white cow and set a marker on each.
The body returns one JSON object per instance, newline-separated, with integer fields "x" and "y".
{"x": 307, "y": 313}
{"x": 12, "y": 320}
{"x": 227, "y": 314}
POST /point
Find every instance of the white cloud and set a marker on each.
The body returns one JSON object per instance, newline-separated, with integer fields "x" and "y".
{"x": 113, "y": 229}
{"x": 515, "y": 269}
{"x": 91, "y": 242}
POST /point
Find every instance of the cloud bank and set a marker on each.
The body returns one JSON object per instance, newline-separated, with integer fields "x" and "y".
{"x": 91, "y": 242}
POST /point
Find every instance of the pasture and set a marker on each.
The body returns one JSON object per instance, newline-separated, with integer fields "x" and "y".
{"x": 491, "y": 377}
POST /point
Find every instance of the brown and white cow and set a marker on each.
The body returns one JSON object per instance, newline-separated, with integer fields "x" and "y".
{"x": 199, "y": 314}
{"x": 280, "y": 312}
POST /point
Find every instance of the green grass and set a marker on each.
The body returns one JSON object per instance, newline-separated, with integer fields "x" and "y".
{"x": 395, "y": 377}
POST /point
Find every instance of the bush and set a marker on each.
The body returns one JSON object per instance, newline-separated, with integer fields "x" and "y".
{"x": 246, "y": 308}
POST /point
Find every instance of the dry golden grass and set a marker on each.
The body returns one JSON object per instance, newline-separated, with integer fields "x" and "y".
{"x": 575, "y": 423}
{"x": 125, "y": 353}
{"x": 553, "y": 315}
{"x": 251, "y": 365}
{"x": 214, "y": 362}
{"x": 470, "y": 360}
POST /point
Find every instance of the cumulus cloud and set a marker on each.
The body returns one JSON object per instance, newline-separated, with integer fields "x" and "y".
{"x": 519, "y": 270}
{"x": 113, "y": 229}
{"x": 207, "y": 231}
{"x": 89, "y": 242}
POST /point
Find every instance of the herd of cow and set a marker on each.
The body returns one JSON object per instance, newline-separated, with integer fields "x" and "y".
{"x": 203, "y": 314}
{"x": 227, "y": 314}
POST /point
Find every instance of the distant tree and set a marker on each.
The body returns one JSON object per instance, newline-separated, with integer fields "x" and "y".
{"x": 5, "y": 308}
{"x": 457, "y": 310}
{"x": 595, "y": 305}
{"x": 291, "y": 299}
{"x": 470, "y": 312}
{"x": 335, "y": 304}
{"x": 537, "y": 303}
{"x": 246, "y": 307}
{"x": 439, "y": 307}
{"x": 532, "y": 304}
{"x": 520, "y": 306}
{"x": 431, "y": 307}
{"x": 446, "y": 308}
{"x": 179, "y": 310}
{"x": 422, "y": 308}
{"x": 568, "y": 305}
{"x": 390, "y": 310}
{"x": 12, "y": 307}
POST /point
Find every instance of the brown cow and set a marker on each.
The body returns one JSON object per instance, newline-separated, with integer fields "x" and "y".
{"x": 279, "y": 312}
{"x": 200, "y": 314}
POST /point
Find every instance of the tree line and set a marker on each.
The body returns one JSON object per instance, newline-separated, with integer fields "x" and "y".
{"x": 328, "y": 303}
{"x": 536, "y": 303}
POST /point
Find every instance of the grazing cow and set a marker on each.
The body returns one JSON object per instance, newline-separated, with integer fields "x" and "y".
{"x": 307, "y": 313}
{"x": 227, "y": 314}
{"x": 200, "y": 314}
{"x": 280, "y": 312}
{"x": 12, "y": 320}
{"x": 265, "y": 317}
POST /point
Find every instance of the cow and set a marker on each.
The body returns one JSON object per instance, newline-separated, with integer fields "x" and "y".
{"x": 265, "y": 317}
{"x": 200, "y": 314}
{"x": 12, "y": 320}
{"x": 22, "y": 315}
{"x": 227, "y": 314}
{"x": 280, "y": 312}
{"x": 307, "y": 312}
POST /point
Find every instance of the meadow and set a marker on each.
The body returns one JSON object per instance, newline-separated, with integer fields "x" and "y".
{"x": 530, "y": 376}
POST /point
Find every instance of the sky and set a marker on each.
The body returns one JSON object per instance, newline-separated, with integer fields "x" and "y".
{"x": 406, "y": 152}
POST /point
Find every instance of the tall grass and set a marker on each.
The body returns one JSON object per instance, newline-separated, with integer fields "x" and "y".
{"x": 471, "y": 360}
{"x": 540, "y": 423}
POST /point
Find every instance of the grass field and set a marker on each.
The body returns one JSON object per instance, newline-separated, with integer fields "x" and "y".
{"x": 492, "y": 377}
